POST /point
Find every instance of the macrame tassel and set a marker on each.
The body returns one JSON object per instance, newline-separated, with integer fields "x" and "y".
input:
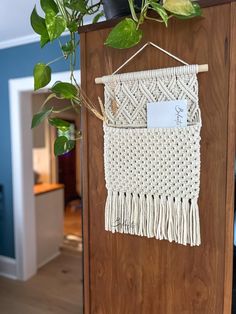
{"x": 177, "y": 220}
{"x": 127, "y": 222}
{"x": 142, "y": 218}
{"x": 185, "y": 228}
{"x": 195, "y": 237}
{"x": 172, "y": 219}
{"x": 108, "y": 211}
{"x": 135, "y": 215}
{"x": 163, "y": 219}
{"x": 156, "y": 216}
{"x": 114, "y": 213}
{"x": 150, "y": 216}
{"x": 121, "y": 218}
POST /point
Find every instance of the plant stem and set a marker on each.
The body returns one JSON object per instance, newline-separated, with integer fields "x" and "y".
{"x": 153, "y": 19}
{"x": 55, "y": 60}
{"x": 62, "y": 10}
{"x": 62, "y": 110}
{"x": 47, "y": 99}
{"x": 94, "y": 6}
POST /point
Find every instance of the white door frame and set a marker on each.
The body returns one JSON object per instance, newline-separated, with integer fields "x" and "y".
{"x": 20, "y": 91}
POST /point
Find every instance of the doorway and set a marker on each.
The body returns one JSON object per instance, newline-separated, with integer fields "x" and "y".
{"x": 63, "y": 172}
{"x": 23, "y": 178}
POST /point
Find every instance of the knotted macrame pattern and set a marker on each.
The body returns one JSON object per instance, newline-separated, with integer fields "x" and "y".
{"x": 152, "y": 174}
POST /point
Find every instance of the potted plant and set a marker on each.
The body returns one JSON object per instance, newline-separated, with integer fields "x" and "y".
{"x": 61, "y": 15}
{"x": 117, "y": 8}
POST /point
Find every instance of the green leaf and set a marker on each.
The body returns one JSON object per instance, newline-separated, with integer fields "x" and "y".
{"x": 124, "y": 35}
{"x": 97, "y": 17}
{"x": 68, "y": 47}
{"x": 161, "y": 11}
{"x": 44, "y": 40}
{"x": 49, "y": 6}
{"x": 39, "y": 26}
{"x": 38, "y": 23}
{"x": 197, "y": 9}
{"x": 56, "y": 25}
{"x": 180, "y": 7}
{"x": 62, "y": 145}
{"x": 76, "y": 5}
{"x": 72, "y": 26}
{"x": 64, "y": 90}
{"x": 59, "y": 124}
{"x": 42, "y": 75}
{"x": 70, "y": 145}
{"x": 39, "y": 117}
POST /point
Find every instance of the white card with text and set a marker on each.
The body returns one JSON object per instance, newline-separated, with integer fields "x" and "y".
{"x": 167, "y": 114}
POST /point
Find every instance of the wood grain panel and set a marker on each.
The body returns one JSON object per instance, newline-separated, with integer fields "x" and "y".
{"x": 230, "y": 167}
{"x": 85, "y": 185}
{"x": 129, "y": 274}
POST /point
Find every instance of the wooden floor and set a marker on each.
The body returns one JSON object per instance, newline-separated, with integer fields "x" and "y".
{"x": 56, "y": 289}
{"x": 73, "y": 221}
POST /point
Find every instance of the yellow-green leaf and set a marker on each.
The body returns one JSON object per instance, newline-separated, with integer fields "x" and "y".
{"x": 197, "y": 12}
{"x": 124, "y": 35}
{"x": 180, "y": 7}
{"x": 56, "y": 25}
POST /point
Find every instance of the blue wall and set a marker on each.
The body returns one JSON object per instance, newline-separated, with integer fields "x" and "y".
{"x": 14, "y": 63}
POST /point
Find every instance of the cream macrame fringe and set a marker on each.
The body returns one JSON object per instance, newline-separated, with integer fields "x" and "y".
{"x": 172, "y": 219}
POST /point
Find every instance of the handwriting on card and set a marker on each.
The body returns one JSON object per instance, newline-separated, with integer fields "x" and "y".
{"x": 167, "y": 114}
{"x": 179, "y": 115}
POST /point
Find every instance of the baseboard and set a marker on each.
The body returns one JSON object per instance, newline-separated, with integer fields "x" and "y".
{"x": 49, "y": 259}
{"x": 8, "y": 267}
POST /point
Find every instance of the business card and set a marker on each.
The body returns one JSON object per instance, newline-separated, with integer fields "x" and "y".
{"x": 167, "y": 114}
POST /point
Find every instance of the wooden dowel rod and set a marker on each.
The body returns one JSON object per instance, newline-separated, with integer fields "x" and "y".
{"x": 201, "y": 68}
{"x": 98, "y": 80}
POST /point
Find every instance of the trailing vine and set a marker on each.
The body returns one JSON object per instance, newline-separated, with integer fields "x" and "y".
{"x": 68, "y": 15}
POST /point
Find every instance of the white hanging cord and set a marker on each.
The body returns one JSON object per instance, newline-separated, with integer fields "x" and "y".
{"x": 143, "y": 47}
{"x": 200, "y": 68}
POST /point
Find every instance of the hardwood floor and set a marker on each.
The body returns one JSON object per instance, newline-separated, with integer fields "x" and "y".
{"x": 73, "y": 219}
{"x": 56, "y": 289}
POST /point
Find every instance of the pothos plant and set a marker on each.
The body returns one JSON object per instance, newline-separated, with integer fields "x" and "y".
{"x": 127, "y": 33}
{"x": 68, "y": 15}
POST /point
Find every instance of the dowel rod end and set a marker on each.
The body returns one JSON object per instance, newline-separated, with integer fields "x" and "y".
{"x": 203, "y": 68}
{"x": 98, "y": 80}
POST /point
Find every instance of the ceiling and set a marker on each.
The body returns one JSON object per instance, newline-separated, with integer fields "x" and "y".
{"x": 15, "y": 19}
{"x": 15, "y": 26}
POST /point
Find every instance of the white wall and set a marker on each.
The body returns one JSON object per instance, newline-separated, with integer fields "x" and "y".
{"x": 41, "y": 143}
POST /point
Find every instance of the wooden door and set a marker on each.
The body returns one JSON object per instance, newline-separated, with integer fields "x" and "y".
{"x": 127, "y": 274}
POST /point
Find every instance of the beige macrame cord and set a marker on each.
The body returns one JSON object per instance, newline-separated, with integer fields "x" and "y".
{"x": 152, "y": 175}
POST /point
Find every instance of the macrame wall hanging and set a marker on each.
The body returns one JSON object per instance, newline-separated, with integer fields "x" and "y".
{"x": 152, "y": 174}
